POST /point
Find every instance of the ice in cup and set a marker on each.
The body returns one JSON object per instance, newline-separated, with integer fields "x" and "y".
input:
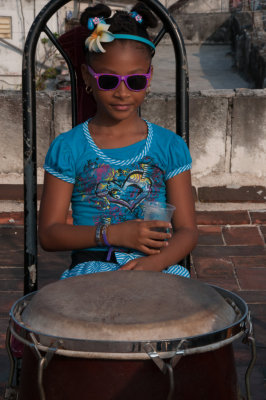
{"x": 155, "y": 210}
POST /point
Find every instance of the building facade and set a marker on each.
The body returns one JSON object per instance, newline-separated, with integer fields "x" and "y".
{"x": 16, "y": 18}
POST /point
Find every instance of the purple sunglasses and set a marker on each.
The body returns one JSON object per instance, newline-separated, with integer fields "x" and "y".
{"x": 135, "y": 82}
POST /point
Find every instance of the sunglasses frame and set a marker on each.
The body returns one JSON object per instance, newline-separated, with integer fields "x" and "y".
{"x": 120, "y": 79}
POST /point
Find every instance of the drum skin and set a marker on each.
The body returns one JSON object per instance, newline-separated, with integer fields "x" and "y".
{"x": 205, "y": 376}
{"x": 127, "y": 306}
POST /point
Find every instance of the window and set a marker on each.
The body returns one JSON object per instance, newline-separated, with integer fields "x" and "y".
{"x": 5, "y": 27}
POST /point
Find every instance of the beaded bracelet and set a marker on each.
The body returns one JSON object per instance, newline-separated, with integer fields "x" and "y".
{"x": 104, "y": 231}
{"x": 98, "y": 234}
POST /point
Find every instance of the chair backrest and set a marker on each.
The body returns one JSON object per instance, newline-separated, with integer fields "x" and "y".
{"x": 29, "y": 112}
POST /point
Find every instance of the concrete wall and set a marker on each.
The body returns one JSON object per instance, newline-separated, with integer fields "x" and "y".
{"x": 248, "y": 44}
{"x": 204, "y": 28}
{"x": 197, "y": 6}
{"x": 227, "y": 133}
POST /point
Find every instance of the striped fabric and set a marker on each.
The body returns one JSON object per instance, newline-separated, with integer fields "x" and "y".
{"x": 178, "y": 171}
{"x": 123, "y": 258}
{"x": 57, "y": 175}
{"x": 177, "y": 270}
{"x": 119, "y": 162}
{"x": 91, "y": 267}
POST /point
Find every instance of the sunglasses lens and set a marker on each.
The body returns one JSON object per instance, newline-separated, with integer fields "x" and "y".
{"x": 137, "y": 82}
{"x": 108, "y": 82}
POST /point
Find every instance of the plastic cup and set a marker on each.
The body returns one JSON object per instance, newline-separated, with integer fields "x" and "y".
{"x": 155, "y": 210}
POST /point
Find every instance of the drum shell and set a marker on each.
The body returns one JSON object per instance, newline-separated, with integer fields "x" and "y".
{"x": 206, "y": 376}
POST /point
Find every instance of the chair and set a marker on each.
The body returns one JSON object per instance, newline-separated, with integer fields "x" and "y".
{"x": 77, "y": 97}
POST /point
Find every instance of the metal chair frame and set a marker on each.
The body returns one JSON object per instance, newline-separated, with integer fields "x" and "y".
{"x": 29, "y": 115}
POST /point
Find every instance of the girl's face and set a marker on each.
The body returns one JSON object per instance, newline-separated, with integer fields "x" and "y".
{"x": 121, "y": 58}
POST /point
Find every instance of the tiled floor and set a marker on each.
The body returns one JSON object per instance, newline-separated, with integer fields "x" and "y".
{"x": 230, "y": 253}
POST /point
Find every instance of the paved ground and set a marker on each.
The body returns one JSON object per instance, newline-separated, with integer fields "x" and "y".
{"x": 230, "y": 253}
{"x": 210, "y": 67}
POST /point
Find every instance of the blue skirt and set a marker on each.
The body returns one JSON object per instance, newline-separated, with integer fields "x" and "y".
{"x": 92, "y": 267}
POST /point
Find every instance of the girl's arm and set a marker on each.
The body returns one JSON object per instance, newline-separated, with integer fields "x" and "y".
{"x": 55, "y": 234}
{"x": 184, "y": 239}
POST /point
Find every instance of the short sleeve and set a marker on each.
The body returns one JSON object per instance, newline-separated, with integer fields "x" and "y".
{"x": 59, "y": 160}
{"x": 179, "y": 157}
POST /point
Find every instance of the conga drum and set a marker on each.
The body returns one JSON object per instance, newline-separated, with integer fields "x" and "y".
{"x": 129, "y": 335}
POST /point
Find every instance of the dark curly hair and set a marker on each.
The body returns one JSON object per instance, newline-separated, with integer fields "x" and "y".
{"x": 122, "y": 21}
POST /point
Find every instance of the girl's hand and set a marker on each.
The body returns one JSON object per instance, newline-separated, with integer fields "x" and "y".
{"x": 145, "y": 236}
{"x": 140, "y": 264}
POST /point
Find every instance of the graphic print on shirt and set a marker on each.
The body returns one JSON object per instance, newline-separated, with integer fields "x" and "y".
{"x": 129, "y": 193}
{"x": 124, "y": 187}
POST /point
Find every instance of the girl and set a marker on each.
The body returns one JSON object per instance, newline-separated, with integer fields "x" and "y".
{"x": 111, "y": 164}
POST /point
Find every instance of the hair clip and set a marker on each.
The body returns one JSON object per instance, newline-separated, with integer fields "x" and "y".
{"x": 136, "y": 16}
{"x": 95, "y": 21}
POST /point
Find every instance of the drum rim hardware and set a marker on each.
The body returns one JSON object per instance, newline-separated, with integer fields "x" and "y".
{"x": 166, "y": 348}
{"x": 166, "y": 367}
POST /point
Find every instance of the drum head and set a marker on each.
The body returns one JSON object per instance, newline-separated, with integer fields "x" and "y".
{"x": 127, "y": 306}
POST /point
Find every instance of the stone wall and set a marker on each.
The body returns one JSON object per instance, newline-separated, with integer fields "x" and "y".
{"x": 204, "y": 28}
{"x": 249, "y": 46}
{"x": 245, "y": 31}
{"x": 227, "y": 137}
{"x": 197, "y": 6}
{"x": 227, "y": 134}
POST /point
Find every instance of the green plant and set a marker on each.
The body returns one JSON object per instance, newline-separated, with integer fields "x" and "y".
{"x": 46, "y": 68}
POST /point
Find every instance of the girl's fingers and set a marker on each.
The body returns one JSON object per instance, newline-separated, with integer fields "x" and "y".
{"x": 159, "y": 230}
{"x": 146, "y": 236}
{"x": 155, "y": 235}
{"x": 158, "y": 224}
{"x": 149, "y": 251}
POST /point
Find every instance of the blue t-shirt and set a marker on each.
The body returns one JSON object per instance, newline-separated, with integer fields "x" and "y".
{"x": 111, "y": 185}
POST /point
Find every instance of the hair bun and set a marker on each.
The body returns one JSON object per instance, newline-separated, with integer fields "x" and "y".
{"x": 149, "y": 20}
{"x": 100, "y": 10}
